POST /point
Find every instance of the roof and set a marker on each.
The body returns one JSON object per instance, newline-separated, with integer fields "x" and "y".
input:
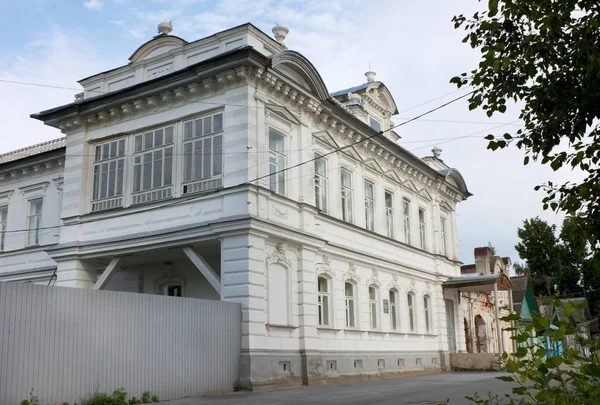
{"x": 32, "y": 150}
{"x": 519, "y": 286}
{"x": 350, "y": 90}
{"x": 478, "y": 282}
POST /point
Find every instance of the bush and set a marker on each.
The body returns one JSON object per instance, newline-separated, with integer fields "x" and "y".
{"x": 118, "y": 397}
{"x": 572, "y": 378}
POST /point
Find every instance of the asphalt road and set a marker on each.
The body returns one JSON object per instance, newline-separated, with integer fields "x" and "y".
{"x": 426, "y": 390}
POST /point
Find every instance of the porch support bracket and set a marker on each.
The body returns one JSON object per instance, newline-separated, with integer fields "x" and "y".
{"x": 111, "y": 269}
{"x": 204, "y": 268}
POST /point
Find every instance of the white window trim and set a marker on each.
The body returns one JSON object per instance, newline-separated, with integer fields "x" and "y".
{"x": 444, "y": 236}
{"x": 283, "y": 155}
{"x": 394, "y": 309}
{"x": 354, "y": 299}
{"x": 322, "y": 183}
{"x": 412, "y": 318}
{"x": 349, "y": 197}
{"x": 406, "y": 221}
{"x": 374, "y": 324}
{"x": 389, "y": 215}
{"x": 427, "y": 311}
{"x": 37, "y": 231}
{"x": 3, "y": 227}
{"x": 423, "y": 229}
{"x": 329, "y": 295}
{"x": 369, "y": 205}
{"x": 31, "y": 193}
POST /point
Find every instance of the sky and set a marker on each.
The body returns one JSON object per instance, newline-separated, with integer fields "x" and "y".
{"x": 412, "y": 46}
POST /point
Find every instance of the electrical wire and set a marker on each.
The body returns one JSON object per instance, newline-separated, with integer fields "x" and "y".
{"x": 201, "y": 195}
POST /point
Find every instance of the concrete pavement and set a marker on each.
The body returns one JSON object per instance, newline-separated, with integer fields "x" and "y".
{"x": 425, "y": 390}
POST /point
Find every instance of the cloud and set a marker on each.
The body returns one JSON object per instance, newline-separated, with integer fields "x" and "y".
{"x": 117, "y": 22}
{"x": 93, "y": 4}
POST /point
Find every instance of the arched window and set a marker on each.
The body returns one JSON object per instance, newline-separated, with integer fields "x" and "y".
{"x": 410, "y": 298}
{"x": 173, "y": 290}
{"x": 373, "y": 293}
{"x": 427, "y": 311}
{"x": 324, "y": 300}
{"x": 350, "y": 298}
{"x": 394, "y": 324}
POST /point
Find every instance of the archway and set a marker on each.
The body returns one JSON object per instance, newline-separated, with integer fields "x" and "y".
{"x": 481, "y": 335}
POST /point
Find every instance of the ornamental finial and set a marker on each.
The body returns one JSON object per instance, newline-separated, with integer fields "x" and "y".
{"x": 165, "y": 27}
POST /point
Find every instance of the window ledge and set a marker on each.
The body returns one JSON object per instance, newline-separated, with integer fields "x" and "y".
{"x": 274, "y": 325}
{"x": 329, "y": 328}
{"x": 377, "y": 332}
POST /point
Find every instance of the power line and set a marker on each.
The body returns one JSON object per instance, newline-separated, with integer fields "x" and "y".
{"x": 46, "y": 85}
{"x": 467, "y": 122}
{"x": 430, "y": 101}
{"x": 200, "y": 195}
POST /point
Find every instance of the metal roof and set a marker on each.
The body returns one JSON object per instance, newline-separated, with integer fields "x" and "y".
{"x": 350, "y": 90}
{"x": 478, "y": 282}
{"x": 33, "y": 150}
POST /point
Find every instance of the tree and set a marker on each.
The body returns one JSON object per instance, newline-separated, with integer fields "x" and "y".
{"x": 538, "y": 246}
{"x": 546, "y": 55}
{"x": 492, "y": 249}
{"x": 520, "y": 269}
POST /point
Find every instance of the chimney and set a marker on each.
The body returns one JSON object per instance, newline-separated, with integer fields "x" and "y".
{"x": 482, "y": 260}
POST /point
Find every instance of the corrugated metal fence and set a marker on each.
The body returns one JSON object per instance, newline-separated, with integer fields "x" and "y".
{"x": 65, "y": 343}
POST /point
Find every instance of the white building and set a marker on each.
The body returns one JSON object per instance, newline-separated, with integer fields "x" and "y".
{"x": 162, "y": 185}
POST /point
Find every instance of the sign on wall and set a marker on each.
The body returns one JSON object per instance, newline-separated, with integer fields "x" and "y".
{"x": 386, "y": 306}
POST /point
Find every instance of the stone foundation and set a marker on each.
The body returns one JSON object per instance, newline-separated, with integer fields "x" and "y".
{"x": 474, "y": 361}
{"x": 266, "y": 370}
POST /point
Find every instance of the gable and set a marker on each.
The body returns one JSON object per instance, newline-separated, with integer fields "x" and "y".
{"x": 299, "y": 69}
{"x": 157, "y": 46}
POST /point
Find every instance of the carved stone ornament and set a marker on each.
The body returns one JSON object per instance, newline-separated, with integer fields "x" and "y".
{"x": 325, "y": 266}
{"x": 412, "y": 284}
{"x": 278, "y": 255}
{"x": 394, "y": 282}
{"x": 374, "y": 276}
{"x": 428, "y": 287}
{"x": 351, "y": 272}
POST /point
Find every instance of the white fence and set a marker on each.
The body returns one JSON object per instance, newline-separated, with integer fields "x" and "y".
{"x": 65, "y": 343}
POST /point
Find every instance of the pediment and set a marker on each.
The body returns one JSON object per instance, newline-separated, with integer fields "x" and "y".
{"x": 157, "y": 46}
{"x": 352, "y": 153}
{"x": 444, "y": 205}
{"x": 410, "y": 186}
{"x": 282, "y": 113}
{"x": 393, "y": 176}
{"x": 299, "y": 69}
{"x": 372, "y": 164}
{"x": 379, "y": 93}
{"x": 424, "y": 194}
{"x": 326, "y": 139}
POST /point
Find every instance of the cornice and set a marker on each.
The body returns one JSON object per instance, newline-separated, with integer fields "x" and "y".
{"x": 31, "y": 169}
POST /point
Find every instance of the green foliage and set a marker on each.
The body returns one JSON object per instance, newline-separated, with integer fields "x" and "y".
{"x": 118, "y": 397}
{"x": 571, "y": 378}
{"x": 544, "y": 55}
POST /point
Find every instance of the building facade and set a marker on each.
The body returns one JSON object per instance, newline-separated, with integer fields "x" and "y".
{"x": 224, "y": 169}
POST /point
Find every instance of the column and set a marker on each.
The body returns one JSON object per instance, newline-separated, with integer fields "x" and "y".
{"x": 75, "y": 273}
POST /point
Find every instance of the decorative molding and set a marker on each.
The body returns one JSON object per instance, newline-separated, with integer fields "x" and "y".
{"x": 351, "y": 272}
{"x": 279, "y": 255}
{"x": 412, "y": 285}
{"x": 374, "y": 279}
{"x": 170, "y": 276}
{"x": 394, "y": 282}
{"x": 325, "y": 266}
{"x": 32, "y": 191}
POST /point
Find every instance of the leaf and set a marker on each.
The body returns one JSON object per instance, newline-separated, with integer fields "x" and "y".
{"x": 493, "y": 7}
{"x": 569, "y": 308}
{"x": 521, "y": 352}
{"x": 525, "y": 160}
{"x": 519, "y": 390}
{"x": 506, "y": 378}
{"x": 511, "y": 366}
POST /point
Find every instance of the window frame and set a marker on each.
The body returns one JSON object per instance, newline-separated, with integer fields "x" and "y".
{"x": 350, "y": 303}
{"x": 3, "y": 226}
{"x": 444, "y": 236}
{"x": 321, "y": 183}
{"x": 374, "y": 321}
{"x": 279, "y": 163}
{"x": 427, "y": 313}
{"x": 423, "y": 228}
{"x": 39, "y": 218}
{"x": 347, "y": 195}
{"x": 411, "y": 308}
{"x": 324, "y": 302}
{"x": 369, "y": 205}
{"x": 154, "y": 192}
{"x": 394, "y": 314}
{"x": 389, "y": 214}
{"x": 406, "y": 220}
{"x": 118, "y": 199}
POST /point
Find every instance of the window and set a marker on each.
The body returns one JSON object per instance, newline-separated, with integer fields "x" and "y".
{"x": 321, "y": 184}
{"x": 153, "y": 165}
{"x": 277, "y": 162}
{"x": 411, "y": 311}
{"x": 109, "y": 166}
{"x": 427, "y": 309}
{"x": 173, "y": 290}
{"x": 203, "y": 154}
{"x": 3, "y": 221}
{"x": 422, "y": 229}
{"x": 389, "y": 213}
{"x": 376, "y": 125}
{"x": 346, "y": 178}
{"x": 406, "y": 213}
{"x": 350, "y": 304}
{"x": 444, "y": 241}
{"x": 369, "y": 206}
{"x": 323, "y": 300}
{"x": 373, "y": 306}
{"x": 394, "y": 309}
{"x": 34, "y": 221}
